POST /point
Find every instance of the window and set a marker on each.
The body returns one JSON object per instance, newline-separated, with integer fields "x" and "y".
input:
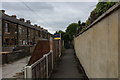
{"x": 16, "y": 30}
{"x": 6, "y": 27}
{"x": 20, "y": 30}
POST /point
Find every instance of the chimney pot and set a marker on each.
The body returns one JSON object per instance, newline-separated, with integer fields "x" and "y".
{"x": 28, "y": 21}
{"x": 3, "y": 11}
{"x": 42, "y": 28}
{"x": 39, "y": 26}
{"x": 35, "y": 24}
{"x": 22, "y": 19}
{"x": 14, "y": 16}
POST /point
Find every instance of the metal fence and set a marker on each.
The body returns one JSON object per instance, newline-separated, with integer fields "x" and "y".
{"x": 41, "y": 68}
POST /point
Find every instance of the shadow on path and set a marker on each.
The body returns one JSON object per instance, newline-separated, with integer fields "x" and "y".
{"x": 68, "y": 66}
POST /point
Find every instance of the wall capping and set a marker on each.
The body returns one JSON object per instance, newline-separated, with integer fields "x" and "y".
{"x": 107, "y": 13}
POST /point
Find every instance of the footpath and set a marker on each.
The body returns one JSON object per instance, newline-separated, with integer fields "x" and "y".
{"x": 14, "y": 69}
{"x": 68, "y": 67}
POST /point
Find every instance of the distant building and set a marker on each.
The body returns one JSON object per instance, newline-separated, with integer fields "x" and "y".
{"x": 15, "y": 31}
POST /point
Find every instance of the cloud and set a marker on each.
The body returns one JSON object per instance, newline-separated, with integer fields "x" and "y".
{"x": 24, "y": 6}
{"x": 49, "y": 0}
{"x": 50, "y": 15}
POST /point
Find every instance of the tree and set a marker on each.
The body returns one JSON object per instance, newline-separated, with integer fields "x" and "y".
{"x": 67, "y": 36}
{"x": 101, "y": 8}
{"x": 80, "y": 27}
{"x": 72, "y": 30}
{"x": 79, "y": 23}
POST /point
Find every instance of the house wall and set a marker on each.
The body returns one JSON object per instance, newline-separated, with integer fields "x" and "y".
{"x": 22, "y": 35}
{"x": 10, "y": 37}
{"x": 20, "y": 32}
{"x": 37, "y": 37}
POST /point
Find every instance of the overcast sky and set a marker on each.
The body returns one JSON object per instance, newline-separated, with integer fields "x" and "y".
{"x": 53, "y": 16}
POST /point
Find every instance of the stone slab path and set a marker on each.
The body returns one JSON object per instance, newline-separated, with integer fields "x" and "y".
{"x": 68, "y": 67}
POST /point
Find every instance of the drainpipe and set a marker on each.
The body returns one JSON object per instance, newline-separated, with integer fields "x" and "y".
{"x": 17, "y": 35}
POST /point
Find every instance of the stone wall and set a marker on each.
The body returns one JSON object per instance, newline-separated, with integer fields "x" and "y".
{"x": 21, "y": 52}
{"x": 97, "y": 48}
{"x": 22, "y": 35}
{"x": 9, "y": 36}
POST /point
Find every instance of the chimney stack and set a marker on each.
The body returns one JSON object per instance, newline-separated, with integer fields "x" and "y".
{"x": 35, "y": 25}
{"x": 41, "y": 28}
{"x": 14, "y": 16}
{"x": 28, "y": 21}
{"x": 3, "y": 11}
{"x": 46, "y": 30}
{"x": 22, "y": 19}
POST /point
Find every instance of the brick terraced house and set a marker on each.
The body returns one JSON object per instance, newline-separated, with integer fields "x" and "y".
{"x": 16, "y": 32}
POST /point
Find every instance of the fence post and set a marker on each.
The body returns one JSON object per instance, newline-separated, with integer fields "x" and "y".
{"x": 51, "y": 50}
{"x": 60, "y": 48}
{"x": 25, "y": 72}
{"x": 52, "y": 59}
{"x": 28, "y": 72}
{"x": 46, "y": 56}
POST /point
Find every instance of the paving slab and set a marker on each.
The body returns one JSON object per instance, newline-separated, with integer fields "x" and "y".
{"x": 68, "y": 67}
{"x": 12, "y": 69}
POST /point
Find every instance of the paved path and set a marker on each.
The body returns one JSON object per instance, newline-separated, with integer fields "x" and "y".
{"x": 68, "y": 67}
{"x": 13, "y": 69}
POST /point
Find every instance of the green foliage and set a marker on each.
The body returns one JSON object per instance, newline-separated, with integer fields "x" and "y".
{"x": 75, "y": 28}
{"x": 101, "y": 7}
{"x": 79, "y": 23}
{"x": 68, "y": 35}
{"x": 72, "y": 29}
